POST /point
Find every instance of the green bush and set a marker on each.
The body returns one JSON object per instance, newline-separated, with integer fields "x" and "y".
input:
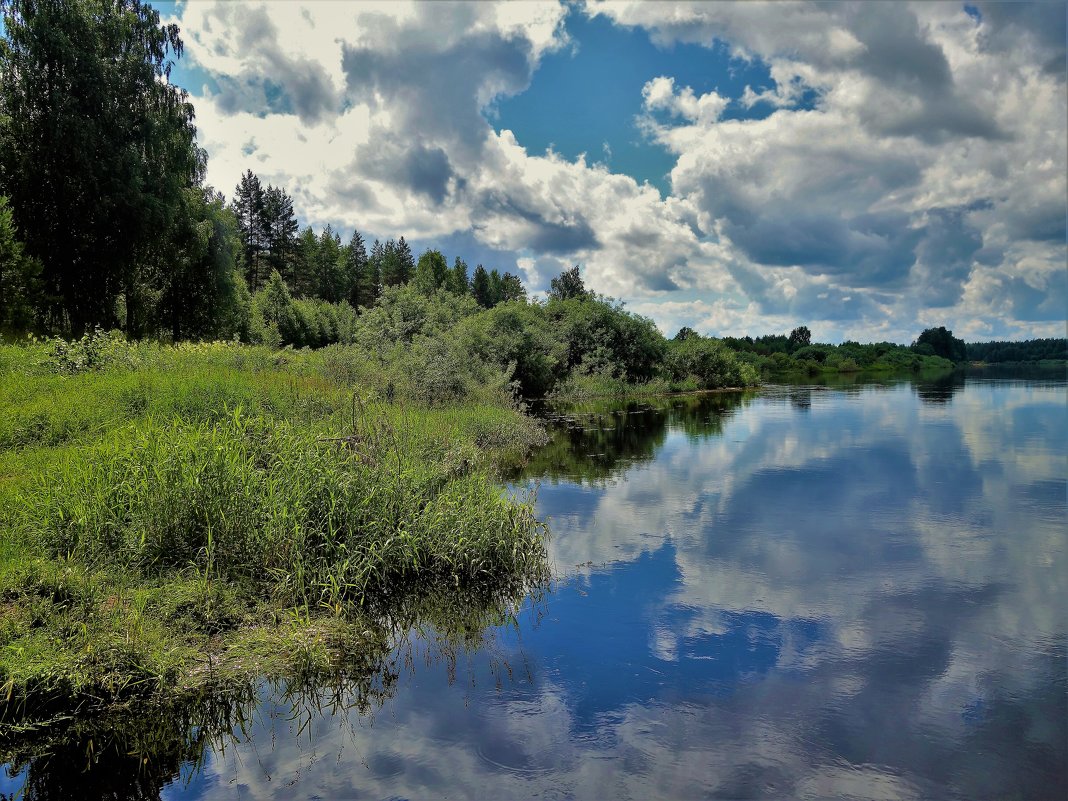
{"x": 708, "y": 363}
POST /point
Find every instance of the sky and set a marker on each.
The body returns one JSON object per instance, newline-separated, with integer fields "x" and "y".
{"x": 868, "y": 170}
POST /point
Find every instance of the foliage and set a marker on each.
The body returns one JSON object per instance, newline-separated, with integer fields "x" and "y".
{"x": 708, "y": 363}
{"x": 800, "y": 337}
{"x": 96, "y": 141}
{"x": 431, "y": 272}
{"x": 778, "y": 354}
{"x": 599, "y": 335}
{"x": 1034, "y": 350}
{"x": 515, "y": 337}
{"x": 941, "y": 342}
{"x": 19, "y": 276}
{"x": 568, "y": 286}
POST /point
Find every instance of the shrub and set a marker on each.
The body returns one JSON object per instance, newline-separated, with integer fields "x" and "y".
{"x": 708, "y": 363}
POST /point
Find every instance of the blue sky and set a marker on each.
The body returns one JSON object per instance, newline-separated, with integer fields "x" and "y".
{"x": 867, "y": 170}
{"x": 589, "y": 94}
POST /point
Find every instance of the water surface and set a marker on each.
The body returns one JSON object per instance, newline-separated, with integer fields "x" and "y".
{"x": 806, "y": 592}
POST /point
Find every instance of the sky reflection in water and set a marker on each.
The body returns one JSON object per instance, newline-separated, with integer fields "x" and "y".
{"x": 809, "y": 592}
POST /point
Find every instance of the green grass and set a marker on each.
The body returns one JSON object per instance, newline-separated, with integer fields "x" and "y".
{"x": 163, "y": 506}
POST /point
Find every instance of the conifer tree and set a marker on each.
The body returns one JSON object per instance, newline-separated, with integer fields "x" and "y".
{"x": 480, "y": 287}
{"x": 393, "y": 272}
{"x": 405, "y": 262}
{"x": 306, "y": 263}
{"x": 280, "y": 228}
{"x": 249, "y": 206}
{"x": 512, "y": 288}
{"x": 356, "y": 269}
{"x": 374, "y": 272}
{"x": 458, "y": 282}
{"x": 330, "y": 267}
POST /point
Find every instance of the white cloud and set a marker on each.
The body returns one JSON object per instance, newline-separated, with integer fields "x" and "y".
{"x": 926, "y": 170}
{"x": 659, "y": 95}
{"x": 912, "y": 162}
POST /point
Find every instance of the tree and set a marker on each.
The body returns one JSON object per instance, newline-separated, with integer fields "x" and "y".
{"x": 480, "y": 287}
{"x": 458, "y": 282}
{"x": 359, "y": 292}
{"x": 512, "y": 288}
{"x": 398, "y": 266}
{"x": 942, "y": 343}
{"x": 800, "y": 337}
{"x": 19, "y": 276}
{"x": 330, "y": 267}
{"x": 685, "y": 333}
{"x": 374, "y": 273}
{"x": 392, "y": 268}
{"x": 431, "y": 272}
{"x": 405, "y": 261}
{"x": 306, "y": 264}
{"x": 280, "y": 230}
{"x": 201, "y": 290}
{"x": 568, "y": 285}
{"x": 250, "y": 208}
{"x": 97, "y": 146}
{"x": 495, "y": 289}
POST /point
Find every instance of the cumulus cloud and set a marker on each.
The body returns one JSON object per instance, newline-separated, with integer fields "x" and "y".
{"x": 913, "y": 159}
{"x": 932, "y": 157}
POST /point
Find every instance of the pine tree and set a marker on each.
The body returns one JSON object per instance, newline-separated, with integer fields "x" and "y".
{"x": 458, "y": 282}
{"x": 392, "y": 266}
{"x": 480, "y": 287}
{"x": 249, "y": 203}
{"x": 330, "y": 267}
{"x": 356, "y": 269}
{"x": 512, "y": 288}
{"x": 405, "y": 261}
{"x": 280, "y": 227}
{"x": 374, "y": 273}
{"x": 306, "y": 264}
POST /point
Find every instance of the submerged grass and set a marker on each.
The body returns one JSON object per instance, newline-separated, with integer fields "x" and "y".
{"x": 171, "y": 504}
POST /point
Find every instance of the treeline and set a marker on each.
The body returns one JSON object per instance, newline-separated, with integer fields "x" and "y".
{"x": 321, "y": 266}
{"x": 1032, "y": 350}
{"x": 796, "y": 353}
{"x": 934, "y": 348}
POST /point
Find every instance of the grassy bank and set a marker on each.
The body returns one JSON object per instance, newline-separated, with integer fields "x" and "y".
{"x": 167, "y": 512}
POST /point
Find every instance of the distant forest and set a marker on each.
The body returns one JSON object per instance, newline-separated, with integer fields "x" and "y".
{"x": 1033, "y": 350}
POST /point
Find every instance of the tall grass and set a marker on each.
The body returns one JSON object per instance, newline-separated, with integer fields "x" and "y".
{"x": 155, "y": 498}
{"x": 304, "y": 519}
